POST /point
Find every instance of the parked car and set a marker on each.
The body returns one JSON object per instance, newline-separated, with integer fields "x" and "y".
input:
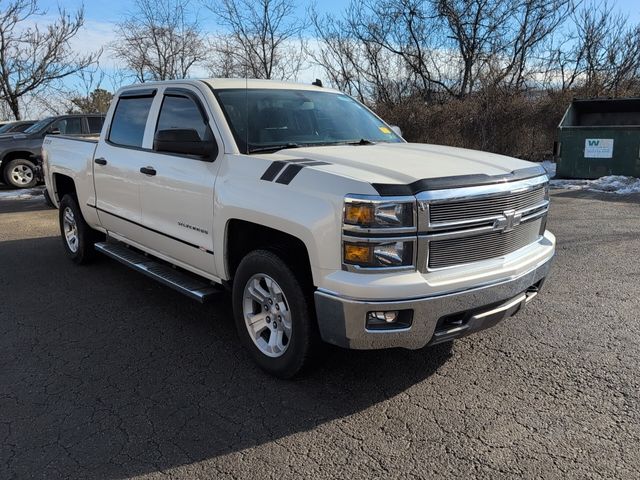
{"x": 20, "y": 153}
{"x": 322, "y": 221}
{"x": 16, "y": 127}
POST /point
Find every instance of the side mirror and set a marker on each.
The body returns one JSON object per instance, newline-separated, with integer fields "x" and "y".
{"x": 185, "y": 141}
{"x": 54, "y": 131}
{"x": 396, "y": 130}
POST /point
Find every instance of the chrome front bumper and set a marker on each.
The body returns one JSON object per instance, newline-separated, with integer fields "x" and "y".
{"x": 434, "y": 319}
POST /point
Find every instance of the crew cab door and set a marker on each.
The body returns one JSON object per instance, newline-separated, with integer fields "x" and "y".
{"x": 117, "y": 163}
{"x": 176, "y": 189}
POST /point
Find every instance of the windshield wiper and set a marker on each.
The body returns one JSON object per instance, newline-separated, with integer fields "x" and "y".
{"x": 362, "y": 141}
{"x": 273, "y": 148}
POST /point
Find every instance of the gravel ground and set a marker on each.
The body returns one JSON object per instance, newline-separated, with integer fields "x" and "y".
{"x": 106, "y": 374}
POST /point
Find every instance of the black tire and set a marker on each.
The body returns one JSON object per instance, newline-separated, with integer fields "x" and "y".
{"x": 21, "y": 173}
{"x": 304, "y": 336}
{"x": 83, "y": 251}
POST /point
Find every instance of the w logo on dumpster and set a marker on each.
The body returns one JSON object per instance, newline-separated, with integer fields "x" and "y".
{"x": 598, "y": 148}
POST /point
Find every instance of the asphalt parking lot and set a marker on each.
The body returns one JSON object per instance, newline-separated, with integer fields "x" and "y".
{"x": 106, "y": 374}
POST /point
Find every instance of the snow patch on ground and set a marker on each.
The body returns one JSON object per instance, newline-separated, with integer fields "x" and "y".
{"x": 22, "y": 194}
{"x": 617, "y": 184}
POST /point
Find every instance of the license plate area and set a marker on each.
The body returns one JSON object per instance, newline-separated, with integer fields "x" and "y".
{"x": 461, "y": 324}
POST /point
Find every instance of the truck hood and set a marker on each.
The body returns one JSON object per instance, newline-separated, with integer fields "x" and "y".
{"x": 405, "y": 163}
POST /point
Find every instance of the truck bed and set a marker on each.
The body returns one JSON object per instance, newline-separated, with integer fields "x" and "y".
{"x": 71, "y": 155}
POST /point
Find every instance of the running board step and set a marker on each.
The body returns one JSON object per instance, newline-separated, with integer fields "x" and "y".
{"x": 190, "y": 285}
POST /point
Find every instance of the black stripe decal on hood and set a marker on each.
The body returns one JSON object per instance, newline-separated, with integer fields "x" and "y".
{"x": 458, "y": 181}
{"x": 289, "y": 174}
{"x": 273, "y": 170}
{"x": 291, "y": 171}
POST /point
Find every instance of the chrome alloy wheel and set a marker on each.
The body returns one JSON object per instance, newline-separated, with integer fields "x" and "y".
{"x": 21, "y": 174}
{"x": 267, "y": 315}
{"x": 70, "y": 229}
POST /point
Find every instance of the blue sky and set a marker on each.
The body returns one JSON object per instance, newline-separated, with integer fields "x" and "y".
{"x": 113, "y": 10}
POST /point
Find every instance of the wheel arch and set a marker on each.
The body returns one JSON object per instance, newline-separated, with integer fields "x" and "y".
{"x": 242, "y": 237}
{"x": 18, "y": 153}
{"x": 62, "y": 185}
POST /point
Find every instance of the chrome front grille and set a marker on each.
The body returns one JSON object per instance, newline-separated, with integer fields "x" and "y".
{"x": 472, "y": 224}
{"x": 478, "y": 208}
{"x": 484, "y": 246}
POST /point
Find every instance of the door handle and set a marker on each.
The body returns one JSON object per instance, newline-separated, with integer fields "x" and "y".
{"x": 101, "y": 161}
{"x": 148, "y": 170}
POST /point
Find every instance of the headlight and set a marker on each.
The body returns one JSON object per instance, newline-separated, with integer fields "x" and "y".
{"x": 379, "y": 233}
{"x": 364, "y": 213}
{"x": 378, "y": 253}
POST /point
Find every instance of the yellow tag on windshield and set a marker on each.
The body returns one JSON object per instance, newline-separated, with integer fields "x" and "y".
{"x": 384, "y": 130}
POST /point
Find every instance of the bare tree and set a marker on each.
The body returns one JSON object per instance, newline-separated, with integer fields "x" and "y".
{"x": 80, "y": 93}
{"x": 407, "y": 29}
{"x": 358, "y": 66}
{"x": 160, "y": 40}
{"x": 264, "y": 39}
{"x": 600, "y": 55}
{"x": 532, "y": 23}
{"x": 33, "y": 57}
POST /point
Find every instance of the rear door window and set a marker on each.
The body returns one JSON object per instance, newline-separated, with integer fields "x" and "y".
{"x": 69, "y": 126}
{"x": 129, "y": 121}
{"x": 95, "y": 124}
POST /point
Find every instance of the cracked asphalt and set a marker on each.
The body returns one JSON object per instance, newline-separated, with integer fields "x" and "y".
{"x": 106, "y": 374}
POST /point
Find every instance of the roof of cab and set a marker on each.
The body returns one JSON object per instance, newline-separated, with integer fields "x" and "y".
{"x": 222, "y": 83}
{"x": 225, "y": 83}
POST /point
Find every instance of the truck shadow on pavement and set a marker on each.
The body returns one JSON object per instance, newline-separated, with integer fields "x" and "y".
{"x": 107, "y": 374}
{"x": 31, "y": 204}
{"x": 602, "y": 196}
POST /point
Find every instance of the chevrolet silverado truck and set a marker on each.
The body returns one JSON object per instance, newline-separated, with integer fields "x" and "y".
{"x": 322, "y": 221}
{"x": 20, "y": 152}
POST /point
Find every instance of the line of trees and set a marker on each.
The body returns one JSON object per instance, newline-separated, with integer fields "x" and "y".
{"x": 464, "y": 72}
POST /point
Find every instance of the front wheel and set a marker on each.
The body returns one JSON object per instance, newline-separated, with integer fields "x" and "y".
{"x": 272, "y": 313}
{"x": 20, "y": 173}
{"x": 78, "y": 237}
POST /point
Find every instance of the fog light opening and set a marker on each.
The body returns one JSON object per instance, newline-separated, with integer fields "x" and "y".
{"x": 389, "y": 319}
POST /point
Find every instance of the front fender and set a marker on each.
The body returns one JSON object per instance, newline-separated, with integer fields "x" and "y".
{"x": 308, "y": 208}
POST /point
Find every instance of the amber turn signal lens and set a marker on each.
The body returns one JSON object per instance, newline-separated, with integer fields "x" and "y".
{"x": 354, "y": 253}
{"x": 358, "y": 214}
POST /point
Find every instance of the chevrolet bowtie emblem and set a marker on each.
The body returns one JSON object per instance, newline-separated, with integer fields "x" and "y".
{"x": 509, "y": 220}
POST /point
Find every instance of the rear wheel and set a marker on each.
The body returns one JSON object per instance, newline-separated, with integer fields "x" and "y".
{"x": 272, "y": 313}
{"x": 20, "y": 173}
{"x": 78, "y": 238}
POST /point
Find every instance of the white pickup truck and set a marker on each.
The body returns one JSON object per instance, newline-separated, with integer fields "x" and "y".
{"x": 320, "y": 218}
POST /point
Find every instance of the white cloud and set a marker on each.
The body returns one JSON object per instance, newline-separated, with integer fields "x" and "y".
{"x": 92, "y": 37}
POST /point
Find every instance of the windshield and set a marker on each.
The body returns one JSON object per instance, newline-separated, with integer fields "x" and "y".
{"x": 36, "y": 127}
{"x": 296, "y": 118}
{"x": 5, "y": 127}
